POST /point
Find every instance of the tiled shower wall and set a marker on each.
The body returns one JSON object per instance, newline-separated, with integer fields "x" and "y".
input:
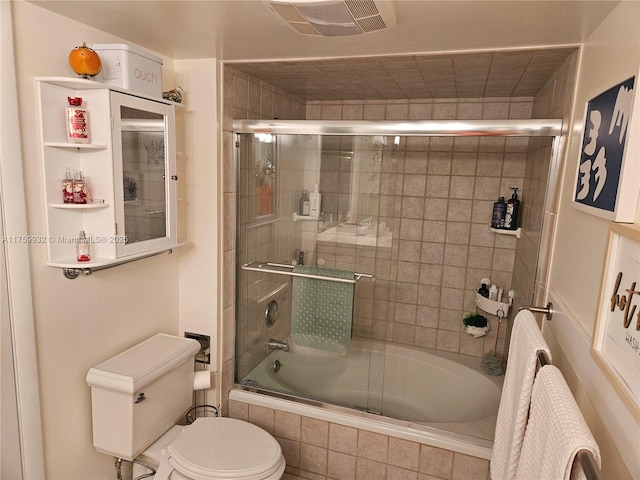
{"x": 244, "y": 97}
{"x": 437, "y": 196}
{"x": 530, "y": 271}
{"x": 440, "y": 209}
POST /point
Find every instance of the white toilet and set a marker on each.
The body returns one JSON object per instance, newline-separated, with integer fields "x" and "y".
{"x": 138, "y": 396}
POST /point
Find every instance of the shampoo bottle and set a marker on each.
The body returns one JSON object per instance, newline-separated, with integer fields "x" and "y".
{"x": 512, "y": 212}
{"x": 315, "y": 199}
{"x": 499, "y": 209}
{"x": 493, "y": 293}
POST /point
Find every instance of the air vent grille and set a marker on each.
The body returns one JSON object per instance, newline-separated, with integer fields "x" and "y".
{"x": 367, "y": 16}
{"x": 362, "y": 8}
{"x": 289, "y": 12}
{"x": 305, "y": 28}
{"x": 371, "y": 24}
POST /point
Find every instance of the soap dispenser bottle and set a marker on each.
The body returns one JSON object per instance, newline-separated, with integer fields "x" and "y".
{"x": 512, "y": 212}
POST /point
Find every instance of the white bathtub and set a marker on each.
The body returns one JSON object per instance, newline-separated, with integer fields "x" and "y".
{"x": 420, "y": 389}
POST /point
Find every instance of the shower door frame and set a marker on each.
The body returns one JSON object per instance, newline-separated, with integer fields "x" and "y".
{"x": 429, "y": 128}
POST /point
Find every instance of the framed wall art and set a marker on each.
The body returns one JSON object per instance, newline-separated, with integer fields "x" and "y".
{"x": 616, "y": 337}
{"x": 608, "y": 176}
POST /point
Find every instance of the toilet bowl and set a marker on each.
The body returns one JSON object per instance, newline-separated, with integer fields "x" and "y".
{"x": 214, "y": 449}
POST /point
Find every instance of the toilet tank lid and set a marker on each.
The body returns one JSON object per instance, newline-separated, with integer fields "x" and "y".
{"x": 143, "y": 363}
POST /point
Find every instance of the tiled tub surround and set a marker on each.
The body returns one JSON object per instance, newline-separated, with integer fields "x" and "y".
{"x": 330, "y": 445}
{"x": 348, "y": 460}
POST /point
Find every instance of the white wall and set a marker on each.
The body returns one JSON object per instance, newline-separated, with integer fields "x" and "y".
{"x": 199, "y": 205}
{"x": 79, "y": 322}
{"x": 610, "y": 55}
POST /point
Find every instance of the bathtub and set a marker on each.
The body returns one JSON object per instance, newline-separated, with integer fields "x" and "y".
{"x": 438, "y": 398}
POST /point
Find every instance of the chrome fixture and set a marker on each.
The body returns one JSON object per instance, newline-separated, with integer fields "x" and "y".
{"x": 276, "y": 366}
{"x": 273, "y": 344}
{"x": 546, "y": 311}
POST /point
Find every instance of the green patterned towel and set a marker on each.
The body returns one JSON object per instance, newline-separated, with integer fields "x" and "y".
{"x": 322, "y": 310}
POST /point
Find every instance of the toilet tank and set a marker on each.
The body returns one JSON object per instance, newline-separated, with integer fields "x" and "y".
{"x": 140, "y": 393}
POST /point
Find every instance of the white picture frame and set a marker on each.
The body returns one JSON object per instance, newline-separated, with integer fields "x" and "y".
{"x": 607, "y": 180}
{"x": 616, "y": 337}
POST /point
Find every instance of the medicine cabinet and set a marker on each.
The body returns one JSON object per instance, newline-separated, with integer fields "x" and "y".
{"x": 129, "y": 168}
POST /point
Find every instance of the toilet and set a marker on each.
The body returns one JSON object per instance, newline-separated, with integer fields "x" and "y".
{"x": 138, "y": 396}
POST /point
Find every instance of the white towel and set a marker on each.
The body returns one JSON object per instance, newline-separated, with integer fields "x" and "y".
{"x": 556, "y": 431}
{"x": 526, "y": 342}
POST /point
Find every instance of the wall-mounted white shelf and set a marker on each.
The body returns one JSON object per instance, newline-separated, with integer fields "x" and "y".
{"x": 492, "y": 306}
{"x": 87, "y": 146}
{"x": 503, "y": 231}
{"x": 79, "y": 206}
{"x": 297, "y": 217}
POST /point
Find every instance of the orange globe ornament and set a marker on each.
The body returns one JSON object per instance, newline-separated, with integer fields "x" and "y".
{"x": 85, "y": 61}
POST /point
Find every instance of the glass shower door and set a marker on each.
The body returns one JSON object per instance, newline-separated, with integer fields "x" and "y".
{"x": 273, "y": 172}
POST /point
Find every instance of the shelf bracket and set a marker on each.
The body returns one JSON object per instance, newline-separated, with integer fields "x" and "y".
{"x": 73, "y": 273}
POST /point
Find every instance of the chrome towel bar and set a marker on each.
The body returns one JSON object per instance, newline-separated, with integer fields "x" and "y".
{"x": 546, "y": 311}
{"x": 263, "y": 267}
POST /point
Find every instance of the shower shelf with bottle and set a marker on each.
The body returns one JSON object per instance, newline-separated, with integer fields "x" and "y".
{"x": 492, "y": 306}
{"x": 297, "y": 217}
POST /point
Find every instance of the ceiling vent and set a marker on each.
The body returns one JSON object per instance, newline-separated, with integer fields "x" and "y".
{"x": 330, "y": 18}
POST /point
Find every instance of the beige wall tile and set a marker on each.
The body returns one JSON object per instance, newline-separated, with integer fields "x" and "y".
{"x": 343, "y": 439}
{"x": 262, "y": 416}
{"x": 469, "y": 468}
{"x": 313, "y": 459}
{"x": 403, "y": 453}
{"x": 370, "y": 470}
{"x": 341, "y": 466}
{"x": 435, "y": 461}
{"x": 373, "y": 446}
{"x": 287, "y": 425}
{"x": 315, "y": 432}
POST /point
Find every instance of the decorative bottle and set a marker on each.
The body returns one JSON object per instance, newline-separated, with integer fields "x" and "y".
{"x": 77, "y": 124}
{"x": 83, "y": 249}
{"x": 80, "y": 189}
{"x": 67, "y": 187}
{"x": 513, "y": 211}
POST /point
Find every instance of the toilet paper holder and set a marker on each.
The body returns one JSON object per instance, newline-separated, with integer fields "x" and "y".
{"x": 204, "y": 355}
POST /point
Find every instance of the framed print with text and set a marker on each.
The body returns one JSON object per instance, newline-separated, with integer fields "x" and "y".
{"x": 608, "y": 177}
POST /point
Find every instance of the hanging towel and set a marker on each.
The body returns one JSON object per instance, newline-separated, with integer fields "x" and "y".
{"x": 556, "y": 431}
{"x": 322, "y": 310}
{"x": 526, "y": 342}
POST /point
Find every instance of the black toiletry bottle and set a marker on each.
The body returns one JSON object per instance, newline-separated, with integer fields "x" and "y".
{"x": 513, "y": 211}
{"x": 499, "y": 209}
{"x": 483, "y": 290}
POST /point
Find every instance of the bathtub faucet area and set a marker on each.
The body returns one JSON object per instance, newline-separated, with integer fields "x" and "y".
{"x": 278, "y": 345}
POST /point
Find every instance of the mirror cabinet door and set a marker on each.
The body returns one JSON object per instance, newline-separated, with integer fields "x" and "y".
{"x": 147, "y": 169}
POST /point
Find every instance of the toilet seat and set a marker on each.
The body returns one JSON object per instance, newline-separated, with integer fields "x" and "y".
{"x": 225, "y": 449}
